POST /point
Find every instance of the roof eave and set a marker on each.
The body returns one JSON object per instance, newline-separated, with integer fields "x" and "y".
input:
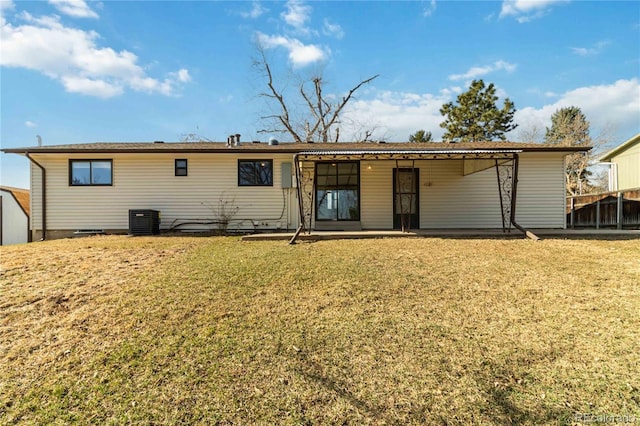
{"x": 232, "y": 150}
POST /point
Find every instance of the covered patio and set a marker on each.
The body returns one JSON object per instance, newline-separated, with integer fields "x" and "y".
{"x": 312, "y": 184}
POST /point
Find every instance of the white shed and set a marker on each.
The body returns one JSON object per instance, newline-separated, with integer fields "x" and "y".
{"x": 14, "y": 215}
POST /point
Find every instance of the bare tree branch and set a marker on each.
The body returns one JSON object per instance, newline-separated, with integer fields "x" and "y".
{"x": 317, "y": 123}
{"x": 284, "y": 118}
{"x": 334, "y": 117}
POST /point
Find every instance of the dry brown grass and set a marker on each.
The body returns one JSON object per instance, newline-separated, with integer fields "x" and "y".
{"x": 184, "y": 330}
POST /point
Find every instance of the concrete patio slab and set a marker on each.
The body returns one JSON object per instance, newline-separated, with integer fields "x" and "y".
{"x": 449, "y": 233}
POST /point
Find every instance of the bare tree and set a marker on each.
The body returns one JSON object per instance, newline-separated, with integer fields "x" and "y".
{"x": 194, "y": 137}
{"x": 223, "y": 211}
{"x": 321, "y": 117}
{"x": 533, "y": 133}
{"x": 569, "y": 127}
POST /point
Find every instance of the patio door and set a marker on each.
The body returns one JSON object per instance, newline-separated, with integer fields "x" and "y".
{"x": 406, "y": 199}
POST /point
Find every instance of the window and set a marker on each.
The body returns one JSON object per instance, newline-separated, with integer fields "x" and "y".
{"x": 338, "y": 191}
{"x": 181, "y": 167}
{"x": 255, "y": 172}
{"x": 90, "y": 172}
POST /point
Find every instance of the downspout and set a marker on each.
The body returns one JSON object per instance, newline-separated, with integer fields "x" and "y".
{"x": 44, "y": 198}
{"x": 514, "y": 188}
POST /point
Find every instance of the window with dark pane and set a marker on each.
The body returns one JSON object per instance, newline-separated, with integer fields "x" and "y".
{"x": 90, "y": 172}
{"x": 338, "y": 191}
{"x": 181, "y": 167}
{"x": 255, "y": 172}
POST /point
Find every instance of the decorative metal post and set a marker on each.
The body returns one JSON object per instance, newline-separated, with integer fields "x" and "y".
{"x": 505, "y": 172}
{"x": 305, "y": 189}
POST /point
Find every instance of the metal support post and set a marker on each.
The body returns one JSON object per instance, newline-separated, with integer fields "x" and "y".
{"x": 620, "y": 209}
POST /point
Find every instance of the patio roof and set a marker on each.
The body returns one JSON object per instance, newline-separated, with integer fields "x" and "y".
{"x": 414, "y": 154}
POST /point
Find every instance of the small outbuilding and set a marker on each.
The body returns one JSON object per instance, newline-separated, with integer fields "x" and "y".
{"x": 14, "y": 215}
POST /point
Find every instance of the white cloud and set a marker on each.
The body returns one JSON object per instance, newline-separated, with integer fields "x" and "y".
{"x": 428, "y": 11}
{"x": 475, "y": 72}
{"x": 399, "y": 114}
{"x": 6, "y": 5}
{"x": 334, "y": 30}
{"x": 297, "y": 15}
{"x": 396, "y": 114}
{"x": 74, "y": 8}
{"x": 590, "y": 51}
{"x": 300, "y": 54}
{"x": 615, "y": 104}
{"x": 93, "y": 87}
{"x": 527, "y": 10}
{"x": 72, "y": 57}
{"x": 182, "y": 75}
{"x": 31, "y": 124}
{"x": 256, "y": 11}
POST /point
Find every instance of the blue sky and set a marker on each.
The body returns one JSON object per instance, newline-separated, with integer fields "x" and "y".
{"x": 76, "y": 71}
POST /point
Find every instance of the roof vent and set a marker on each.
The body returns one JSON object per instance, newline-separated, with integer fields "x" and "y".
{"x": 273, "y": 141}
{"x": 255, "y": 141}
{"x": 158, "y": 141}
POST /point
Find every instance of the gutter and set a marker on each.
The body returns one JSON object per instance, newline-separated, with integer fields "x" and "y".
{"x": 44, "y": 198}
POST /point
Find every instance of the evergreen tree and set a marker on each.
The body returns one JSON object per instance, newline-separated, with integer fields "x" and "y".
{"x": 421, "y": 136}
{"x": 569, "y": 127}
{"x": 476, "y": 116}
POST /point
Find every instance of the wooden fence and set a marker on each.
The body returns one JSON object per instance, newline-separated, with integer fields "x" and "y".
{"x": 619, "y": 209}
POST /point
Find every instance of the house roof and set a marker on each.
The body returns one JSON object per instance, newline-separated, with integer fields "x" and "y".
{"x": 21, "y": 196}
{"x": 192, "y": 147}
{"x": 620, "y": 148}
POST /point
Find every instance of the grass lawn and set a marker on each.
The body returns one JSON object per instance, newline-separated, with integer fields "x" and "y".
{"x": 165, "y": 330}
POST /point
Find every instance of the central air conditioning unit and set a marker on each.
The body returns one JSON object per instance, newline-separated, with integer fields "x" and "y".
{"x": 144, "y": 222}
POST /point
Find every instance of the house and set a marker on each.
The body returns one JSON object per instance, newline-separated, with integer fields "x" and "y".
{"x": 624, "y": 161}
{"x": 289, "y": 186}
{"x": 14, "y": 215}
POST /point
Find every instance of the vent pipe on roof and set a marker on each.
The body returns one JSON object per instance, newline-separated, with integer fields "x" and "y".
{"x": 39, "y": 140}
{"x": 237, "y": 139}
{"x": 273, "y": 141}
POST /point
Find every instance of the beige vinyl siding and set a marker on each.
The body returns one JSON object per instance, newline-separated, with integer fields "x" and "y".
{"x": 628, "y": 168}
{"x": 451, "y": 200}
{"x": 147, "y": 181}
{"x": 376, "y": 194}
{"x": 35, "y": 199}
{"x": 541, "y": 191}
{"x": 448, "y": 199}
